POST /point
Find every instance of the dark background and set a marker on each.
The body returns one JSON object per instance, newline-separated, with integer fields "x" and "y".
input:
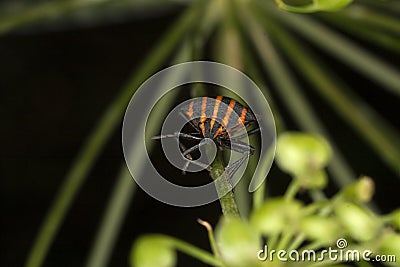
{"x": 55, "y": 85}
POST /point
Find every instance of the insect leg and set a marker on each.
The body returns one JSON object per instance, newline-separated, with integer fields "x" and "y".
{"x": 185, "y": 152}
{"x": 245, "y": 149}
{"x": 190, "y": 158}
{"x": 237, "y": 146}
{"x": 176, "y": 135}
{"x": 234, "y": 167}
{"x": 253, "y": 131}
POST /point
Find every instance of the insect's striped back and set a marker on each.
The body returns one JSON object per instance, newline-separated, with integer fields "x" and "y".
{"x": 213, "y": 118}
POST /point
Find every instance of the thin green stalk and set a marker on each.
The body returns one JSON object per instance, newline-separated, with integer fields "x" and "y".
{"x": 259, "y": 197}
{"x": 292, "y": 189}
{"x": 121, "y": 197}
{"x": 74, "y": 180}
{"x": 355, "y": 56}
{"x": 227, "y": 201}
{"x": 369, "y": 17}
{"x": 372, "y": 127}
{"x": 259, "y": 194}
{"x": 254, "y": 73}
{"x": 295, "y": 244}
{"x": 114, "y": 215}
{"x": 287, "y": 236}
{"x": 293, "y": 98}
{"x": 315, "y": 245}
{"x": 43, "y": 11}
{"x": 198, "y": 39}
{"x": 200, "y": 35}
{"x": 317, "y": 195}
{"x": 191, "y": 250}
{"x": 50, "y": 10}
{"x": 388, "y": 6}
{"x": 233, "y": 51}
{"x": 211, "y": 238}
{"x": 98, "y": 138}
{"x": 273, "y": 241}
{"x": 369, "y": 34}
{"x": 228, "y": 51}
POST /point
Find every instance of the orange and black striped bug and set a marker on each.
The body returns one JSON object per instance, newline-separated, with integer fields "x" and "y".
{"x": 213, "y": 120}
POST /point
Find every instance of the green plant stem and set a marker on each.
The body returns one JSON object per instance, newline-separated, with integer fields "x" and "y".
{"x": 42, "y": 11}
{"x": 292, "y": 189}
{"x": 273, "y": 241}
{"x": 227, "y": 201}
{"x": 121, "y": 196}
{"x": 190, "y": 250}
{"x": 123, "y": 191}
{"x": 228, "y": 51}
{"x": 116, "y": 209}
{"x": 259, "y": 197}
{"x": 287, "y": 236}
{"x": 109, "y": 229}
{"x": 211, "y": 238}
{"x": 100, "y": 135}
{"x": 74, "y": 180}
{"x": 312, "y": 246}
{"x": 369, "y": 17}
{"x": 350, "y": 53}
{"x": 363, "y": 119}
{"x": 289, "y": 91}
{"x": 47, "y": 11}
{"x": 253, "y": 71}
{"x": 297, "y": 242}
{"x": 317, "y": 195}
{"x": 195, "y": 252}
{"x": 369, "y": 34}
{"x": 390, "y": 7}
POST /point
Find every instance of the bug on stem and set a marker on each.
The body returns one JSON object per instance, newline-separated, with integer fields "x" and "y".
{"x": 213, "y": 118}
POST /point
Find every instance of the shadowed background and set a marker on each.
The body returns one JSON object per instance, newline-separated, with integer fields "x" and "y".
{"x": 57, "y": 80}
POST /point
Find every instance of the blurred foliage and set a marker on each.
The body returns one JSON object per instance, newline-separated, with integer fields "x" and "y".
{"x": 312, "y": 6}
{"x": 342, "y": 223}
{"x": 279, "y": 50}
